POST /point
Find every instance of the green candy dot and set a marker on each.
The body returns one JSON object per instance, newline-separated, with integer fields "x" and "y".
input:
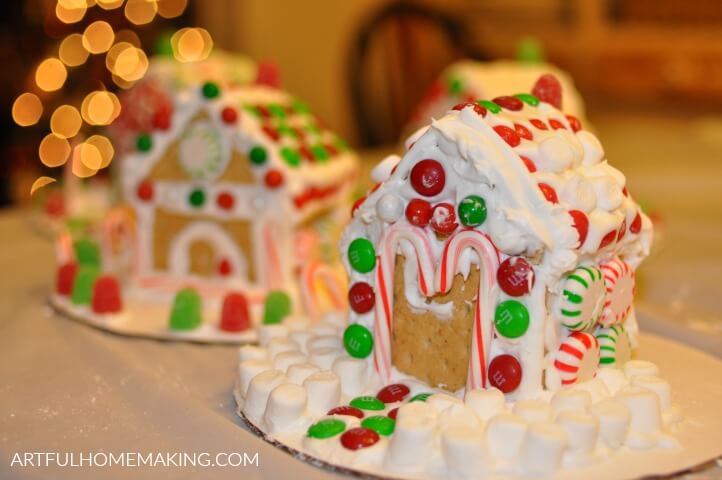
{"x": 341, "y": 144}
{"x": 319, "y": 152}
{"x": 300, "y": 107}
{"x": 361, "y": 255}
{"x": 420, "y": 397}
{"x": 367, "y": 403}
{"x": 472, "y": 211}
{"x": 286, "y": 131}
{"x": 144, "y": 142}
{"x": 528, "y": 98}
{"x": 454, "y": 85}
{"x": 291, "y": 156}
{"x": 258, "y": 155}
{"x": 326, "y": 428}
{"x": 511, "y": 319}
{"x": 529, "y": 50}
{"x": 277, "y": 110}
{"x": 277, "y": 307}
{"x": 197, "y": 198}
{"x": 358, "y": 340}
{"x": 210, "y": 90}
{"x": 87, "y": 253}
{"x": 380, "y": 424}
{"x": 252, "y": 109}
{"x": 489, "y": 105}
{"x": 186, "y": 311}
{"x": 83, "y": 285}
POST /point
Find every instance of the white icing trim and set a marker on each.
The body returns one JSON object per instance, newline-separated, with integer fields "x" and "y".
{"x": 178, "y": 254}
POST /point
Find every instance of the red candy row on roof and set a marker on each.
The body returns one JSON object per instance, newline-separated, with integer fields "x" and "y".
{"x": 314, "y": 193}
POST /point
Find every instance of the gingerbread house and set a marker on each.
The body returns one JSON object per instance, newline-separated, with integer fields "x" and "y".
{"x": 499, "y": 251}
{"x": 228, "y": 186}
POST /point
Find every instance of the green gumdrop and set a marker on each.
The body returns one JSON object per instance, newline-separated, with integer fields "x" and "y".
{"x": 83, "y": 284}
{"x": 326, "y": 428}
{"x": 277, "y": 307}
{"x": 472, "y": 211}
{"x": 380, "y": 424}
{"x": 511, "y": 319}
{"x": 358, "y": 341}
{"x": 87, "y": 253}
{"x": 186, "y": 311}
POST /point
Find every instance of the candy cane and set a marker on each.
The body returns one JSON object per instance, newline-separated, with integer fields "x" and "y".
{"x": 619, "y": 281}
{"x": 481, "y": 332}
{"x": 314, "y": 272}
{"x": 577, "y": 358}
{"x": 389, "y": 246}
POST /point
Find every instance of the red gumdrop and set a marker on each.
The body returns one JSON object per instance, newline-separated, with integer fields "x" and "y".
{"x": 428, "y": 177}
{"x": 145, "y": 190}
{"x": 229, "y": 115}
{"x": 268, "y": 73}
{"x": 274, "y": 179}
{"x": 225, "y": 200}
{"x": 538, "y": 124}
{"x": 443, "y": 218}
{"x": 581, "y": 223}
{"x": 346, "y": 410}
{"x": 549, "y": 193}
{"x": 358, "y": 438}
{"x": 235, "y": 316}
{"x": 505, "y": 373}
{"x": 556, "y": 124}
{"x": 574, "y": 123}
{"x": 509, "y": 135}
{"x": 55, "y": 204}
{"x": 106, "y": 295}
{"x": 478, "y": 109}
{"x": 636, "y": 225}
{"x": 224, "y": 267}
{"x": 393, "y": 413}
{"x": 529, "y": 164}
{"x": 622, "y": 230}
{"x": 510, "y": 103}
{"x": 418, "y": 212}
{"x": 548, "y": 89}
{"x": 361, "y": 297}
{"x": 608, "y": 239}
{"x": 357, "y": 204}
{"x": 515, "y": 276}
{"x": 523, "y": 132}
{"x": 393, "y": 393}
{"x": 65, "y": 278}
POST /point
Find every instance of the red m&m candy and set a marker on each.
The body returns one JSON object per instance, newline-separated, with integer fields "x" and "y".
{"x": 508, "y": 134}
{"x": 581, "y": 223}
{"x": 358, "y": 438}
{"x": 523, "y": 132}
{"x": 636, "y": 225}
{"x": 549, "y": 193}
{"x": 361, "y": 297}
{"x": 443, "y": 219}
{"x": 508, "y": 102}
{"x": 393, "y": 413}
{"x": 505, "y": 373}
{"x": 428, "y": 177}
{"x": 608, "y": 239}
{"x": 346, "y": 410}
{"x": 515, "y": 276}
{"x": 418, "y": 212}
{"x": 574, "y": 123}
{"x": 393, "y": 393}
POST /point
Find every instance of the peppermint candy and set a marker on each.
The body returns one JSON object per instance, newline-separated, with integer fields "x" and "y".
{"x": 619, "y": 282}
{"x": 615, "y": 348}
{"x": 582, "y": 298}
{"x": 577, "y": 358}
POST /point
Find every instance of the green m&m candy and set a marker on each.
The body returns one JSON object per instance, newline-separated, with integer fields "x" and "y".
{"x": 144, "y": 142}
{"x": 197, "y": 198}
{"x": 489, "y": 105}
{"x": 472, "y": 211}
{"x": 528, "y": 98}
{"x": 380, "y": 424}
{"x": 361, "y": 255}
{"x": 326, "y": 428}
{"x": 87, "y": 253}
{"x": 83, "y": 284}
{"x": 367, "y": 403}
{"x": 420, "y": 397}
{"x": 358, "y": 341}
{"x": 258, "y": 155}
{"x": 210, "y": 90}
{"x": 511, "y": 319}
{"x": 186, "y": 311}
{"x": 277, "y": 307}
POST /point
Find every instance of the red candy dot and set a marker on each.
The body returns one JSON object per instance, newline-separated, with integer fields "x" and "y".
{"x": 539, "y": 124}
{"x": 443, "y": 219}
{"x": 235, "y": 315}
{"x": 161, "y": 119}
{"x": 548, "y": 89}
{"x": 393, "y": 413}
{"x": 273, "y": 179}
{"x": 357, "y": 204}
{"x": 581, "y": 223}
{"x": 65, "y": 278}
{"x": 225, "y": 200}
{"x": 505, "y": 373}
{"x": 523, "y": 132}
{"x": 510, "y": 136}
{"x": 608, "y": 239}
{"x": 428, "y": 177}
{"x": 625, "y": 191}
{"x": 622, "y": 230}
{"x": 510, "y": 103}
{"x": 529, "y": 164}
{"x": 224, "y": 268}
{"x": 106, "y": 295}
{"x": 549, "y": 193}
{"x": 145, "y": 191}
{"x": 418, "y": 212}
{"x": 393, "y": 393}
{"x": 515, "y": 276}
{"x": 361, "y": 297}
{"x": 636, "y": 225}
{"x": 574, "y": 123}
{"x": 478, "y": 109}
{"x": 271, "y": 133}
{"x": 556, "y": 124}
{"x": 346, "y": 410}
{"x": 229, "y": 115}
{"x": 358, "y": 438}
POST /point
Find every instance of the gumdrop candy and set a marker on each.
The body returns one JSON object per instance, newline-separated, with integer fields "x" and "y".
{"x": 548, "y": 89}
{"x": 106, "y": 295}
{"x": 234, "y": 314}
{"x": 87, "y": 253}
{"x": 83, "y": 285}
{"x": 186, "y": 311}
{"x": 277, "y": 307}
{"x": 65, "y": 278}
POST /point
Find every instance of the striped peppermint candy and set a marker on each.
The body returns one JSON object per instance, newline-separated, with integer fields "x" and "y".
{"x": 614, "y": 346}
{"x": 577, "y": 358}
{"x": 619, "y": 281}
{"x": 582, "y": 298}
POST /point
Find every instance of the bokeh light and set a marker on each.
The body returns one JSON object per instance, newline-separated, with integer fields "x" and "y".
{"x": 100, "y": 108}
{"x": 39, "y": 183}
{"x": 140, "y": 12}
{"x": 70, "y": 15}
{"x": 191, "y": 44}
{"x": 65, "y": 121}
{"x": 72, "y": 52}
{"x": 128, "y": 36}
{"x": 131, "y": 64}
{"x": 98, "y": 37}
{"x": 50, "y": 74}
{"x": 54, "y": 150}
{"x": 171, "y": 8}
{"x": 105, "y": 150}
{"x": 89, "y": 152}
{"x": 109, "y": 4}
{"x": 27, "y": 109}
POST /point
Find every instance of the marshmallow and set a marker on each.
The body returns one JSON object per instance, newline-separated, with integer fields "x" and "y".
{"x": 353, "y": 373}
{"x": 612, "y": 378}
{"x": 596, "y": 389}
{"x": 640, "y": 367}
{"x": 301, "y": 338}
{"x": 464, "y": 452}
{"x": 285, "y": 359}
{"x": 657, "y": 385}
{"x": 555, "y": 154}
{"x": 411, "y": 443}
{"x": 532, "y": 410}
{"x": 267, "y": 332}
{"x": 286, "y": 405}
{"x": 613, "y": 417}
{"x": 258, "y": 390}
{"x": 485, "y": 403}
{"x": 279, "y": 345}
{"x": 441, "y": 401}
{"x": 417, "y": 410}
{"x": 324, "y": 329}
{"x": 458, "y": 415}
{"x": 337, "y": 318}
{"x": 504, "y": 435}
{"x": 248, "y": 369}
{"x": 542, "y": 448}
{"x": 321, "y": 341}
{"x": 571, "y": 400}
{"x": 324, "y": 392}
{"x": 323, "y": 357}
{"x": 298, "y": 372}
{"x": 644, "y": 408}
{"x": 582, "y": 429}
{"x": 252, "y": 352}
{"x": 593, "y": 151}
{"x": 296, "y": 323}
